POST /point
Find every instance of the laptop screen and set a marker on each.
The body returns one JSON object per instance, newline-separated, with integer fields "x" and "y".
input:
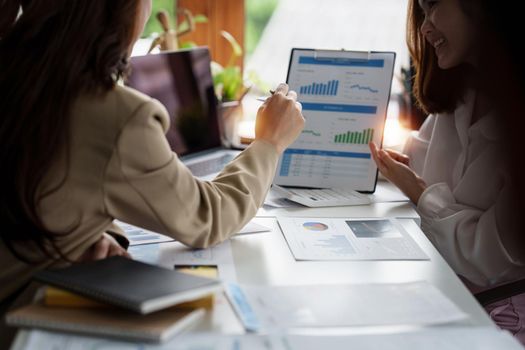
{"x": 182, "y": 82}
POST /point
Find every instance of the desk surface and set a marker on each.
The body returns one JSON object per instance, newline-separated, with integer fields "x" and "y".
{"x": 265, "y": 259}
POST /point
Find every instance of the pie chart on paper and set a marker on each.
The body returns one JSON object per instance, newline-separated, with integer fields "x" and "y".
{"x": 315, "y": 226}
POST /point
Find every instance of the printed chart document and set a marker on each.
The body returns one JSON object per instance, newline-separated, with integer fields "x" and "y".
{"x": 349, "y": 239}
{"x": 267, "y": 308}
{"x": 344, "y": 95}
{"x": 442, "y": 338}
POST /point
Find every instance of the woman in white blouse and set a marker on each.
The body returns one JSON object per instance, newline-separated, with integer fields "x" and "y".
{"x": 455, "y": 169}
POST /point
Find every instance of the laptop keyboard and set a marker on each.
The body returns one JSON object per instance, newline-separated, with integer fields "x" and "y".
{"x": 210, "y": 166}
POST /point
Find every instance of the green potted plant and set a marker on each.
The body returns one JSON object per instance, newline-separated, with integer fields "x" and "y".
{"x": 229, "y": 85}
{"x": 230, "y": 88}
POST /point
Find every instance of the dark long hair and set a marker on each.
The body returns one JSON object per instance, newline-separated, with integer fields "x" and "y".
{"x": 50, "y": 52}
{"x": 436, "y": 90}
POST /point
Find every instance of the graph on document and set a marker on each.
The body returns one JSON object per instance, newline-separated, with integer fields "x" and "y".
{"x": 344, "y": 100}
{"x": 333, "y": 146}
{"x": 312, "y": 133}
{"x": 363, "y": 88}
{"x": 349, "y": 89}
{"x": 353, "y": 81}
{"x": 329, "y": 88}
{"x": 355, "y": 137}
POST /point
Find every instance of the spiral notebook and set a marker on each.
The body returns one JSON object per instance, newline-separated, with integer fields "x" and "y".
{"x": 130, "y": 284}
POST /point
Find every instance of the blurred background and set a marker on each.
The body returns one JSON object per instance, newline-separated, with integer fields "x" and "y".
{"x": 264, "y": 32}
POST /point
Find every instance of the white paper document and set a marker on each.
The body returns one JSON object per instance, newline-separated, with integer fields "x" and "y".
{"x": 138, "y": 235}
{"x": 53, "y": 341}
{"x": 328, "y": 197}
{"x": 281, "y": 307}
{"x": 349, "y": 239}
{"x": 253, "y": 227}
{"x": 462, "y": 338}
{"x": 386, "y": 192}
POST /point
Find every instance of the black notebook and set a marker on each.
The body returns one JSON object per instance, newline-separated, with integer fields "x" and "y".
{"x": 130, "y": 284}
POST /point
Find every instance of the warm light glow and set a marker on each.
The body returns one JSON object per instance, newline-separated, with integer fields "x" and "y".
{"x": 395, "y": 134}
{"x": 247, "y": 129}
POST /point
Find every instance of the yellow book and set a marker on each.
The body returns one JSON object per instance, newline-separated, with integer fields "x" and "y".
{"x": 202, "y": 271}
{"x": 60, "y": 297}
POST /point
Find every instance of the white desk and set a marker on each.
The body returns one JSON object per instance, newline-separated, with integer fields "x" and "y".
{"x": 265, "y": 259}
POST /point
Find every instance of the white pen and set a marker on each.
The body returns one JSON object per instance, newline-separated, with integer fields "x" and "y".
{"x": 264, "y": 98}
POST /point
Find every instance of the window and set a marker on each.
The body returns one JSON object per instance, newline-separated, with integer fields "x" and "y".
{"x": 331, "y": 24}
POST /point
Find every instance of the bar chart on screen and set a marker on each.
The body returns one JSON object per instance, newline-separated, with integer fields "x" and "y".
{"x": 355, "y": 137}
{"x": 344, "y": 96}
{"x": 329, "y": 88}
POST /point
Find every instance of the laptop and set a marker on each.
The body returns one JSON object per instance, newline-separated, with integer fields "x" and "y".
{"x": 182, "y": 82}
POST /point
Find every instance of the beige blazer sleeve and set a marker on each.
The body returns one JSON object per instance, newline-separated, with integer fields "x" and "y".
{"x": 148, "y": 186}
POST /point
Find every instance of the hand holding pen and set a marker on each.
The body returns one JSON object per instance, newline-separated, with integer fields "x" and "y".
{"x": 279, "y": 119}
{"x": 264, "y": 98}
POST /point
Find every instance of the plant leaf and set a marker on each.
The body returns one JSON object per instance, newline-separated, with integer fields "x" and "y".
{"x": 237, "y": 49}
{"x": 183, "y": 26}
{"x": 200, "y": 19}
{"x": 188, "y": 45}
{"x": 232, "y": 80}
{"x": 216, "y": 68}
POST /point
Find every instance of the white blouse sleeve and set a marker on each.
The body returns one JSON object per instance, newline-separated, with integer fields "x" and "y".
{"x": 475, "y": 242}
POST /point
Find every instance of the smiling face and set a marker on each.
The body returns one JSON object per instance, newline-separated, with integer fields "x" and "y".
{"x": 449, "y": 31}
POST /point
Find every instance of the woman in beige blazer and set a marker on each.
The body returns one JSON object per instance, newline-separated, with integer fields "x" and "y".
{"x": 79, "y": 151}
{"x": 456, "y": 168}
